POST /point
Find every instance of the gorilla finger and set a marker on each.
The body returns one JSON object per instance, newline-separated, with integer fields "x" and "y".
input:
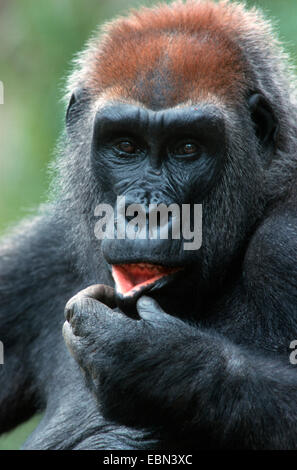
{"x": 102, "y": 293}
{"x": 89, "y": 300}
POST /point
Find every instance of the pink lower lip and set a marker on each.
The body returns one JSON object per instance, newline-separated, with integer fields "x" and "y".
{"x": 130, "y": 278}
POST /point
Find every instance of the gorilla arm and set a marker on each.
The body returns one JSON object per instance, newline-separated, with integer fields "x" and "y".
{"x": 35, "y": 283}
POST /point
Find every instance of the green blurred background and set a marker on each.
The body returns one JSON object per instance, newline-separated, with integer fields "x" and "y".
{"x": 38, "y": 38}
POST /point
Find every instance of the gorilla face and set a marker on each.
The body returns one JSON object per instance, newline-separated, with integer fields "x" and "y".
{"x": 177, "y": 158}
{"x": 173, "y": 158}
{"x": 151, "y": 158}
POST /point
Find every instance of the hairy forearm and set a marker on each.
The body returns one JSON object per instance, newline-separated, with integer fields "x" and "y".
{"x": 235, "y": 396}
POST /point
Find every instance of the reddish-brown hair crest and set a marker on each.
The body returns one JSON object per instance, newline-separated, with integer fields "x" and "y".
{"x": 170, "y": 54}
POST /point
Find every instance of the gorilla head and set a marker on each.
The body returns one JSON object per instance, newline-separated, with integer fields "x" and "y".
{"x": 170, "y": 107}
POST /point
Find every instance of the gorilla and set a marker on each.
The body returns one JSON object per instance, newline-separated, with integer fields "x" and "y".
{"x": 189, "y": 104}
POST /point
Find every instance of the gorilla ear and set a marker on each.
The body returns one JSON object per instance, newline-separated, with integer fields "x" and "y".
{"x": 76, "y": 97}
{"x": 266, "y": 124}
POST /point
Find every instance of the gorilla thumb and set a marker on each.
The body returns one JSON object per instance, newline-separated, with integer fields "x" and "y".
{"x": 150, "y": 310}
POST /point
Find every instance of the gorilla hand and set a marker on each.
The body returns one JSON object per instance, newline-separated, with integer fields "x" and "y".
{"x": 129, "y": 364}
{"x": 188, "y": 382}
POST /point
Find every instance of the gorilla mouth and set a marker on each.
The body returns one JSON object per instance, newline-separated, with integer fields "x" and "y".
{"x": 131, "y": 278}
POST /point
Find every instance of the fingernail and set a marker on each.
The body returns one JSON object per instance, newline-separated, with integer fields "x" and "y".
{"x": 145, "y": 301}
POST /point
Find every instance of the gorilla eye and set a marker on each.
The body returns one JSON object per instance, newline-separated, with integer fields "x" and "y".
{"x": 186, "y": 148}
{"x": 127, "y": 146}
